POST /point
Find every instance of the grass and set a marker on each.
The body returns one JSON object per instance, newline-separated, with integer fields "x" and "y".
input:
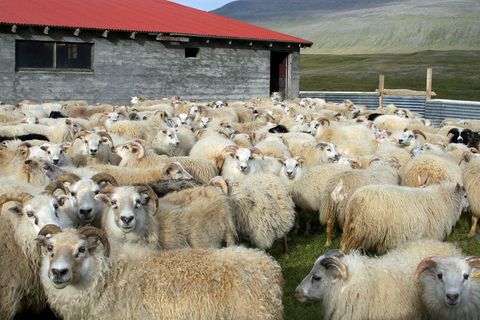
{"x": 456, "y": 74}
{"x": 304, "y": 250}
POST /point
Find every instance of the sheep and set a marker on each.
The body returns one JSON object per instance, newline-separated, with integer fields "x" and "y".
{"x": 241, "y": 162}
{"x": 306, "y": 185}
{"x": 339, "y": 188}
{"x": 262, "y": 209}
{"x": 450, "y": 287}
{"x": 133, "y": 130}
{"x": 350, "y": 286}
{"x": 231, "y": 283}
{"x": 198, "y": 217}
{"x": 316, "y": 153}
{"x": 56, "y": 153}
{"x": 273, "y": 146}
{"x": 381, "y": 216}
{"x": 20, "y": 286}
{"x": 166, "y": 142}
{"x": 409, "y": 139}
{"x": 471, "y": 178}
{"x": 93, "y": 149}
{"x": 429, "y": 169}
{"x": 337, "y": 133}
{"x": 211, "y": 148}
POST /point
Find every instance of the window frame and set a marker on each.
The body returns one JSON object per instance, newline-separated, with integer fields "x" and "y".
{"x": 54, "y": 57}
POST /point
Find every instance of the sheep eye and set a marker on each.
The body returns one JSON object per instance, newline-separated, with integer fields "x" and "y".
{"x": 466, "y": 276}
{"x": 96, "y": 192}
{"x": 113, "y": 202}
{"x": 30, "y": 214}
{"x": 440, "y": 276}
{"x": 316, "y": 278}
{"x": 55, "y": 206}
{"x": 49, "y": 152}
{"x": 49, "y": 248}
{"x": 138, "y": 201}
{"x": 86, "y": 142}
{"x": 61, "y": 151}
{"x": 81, "y": 250}
{"x": 73, "y": 194}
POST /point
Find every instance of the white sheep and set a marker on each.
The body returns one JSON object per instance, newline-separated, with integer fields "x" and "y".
{"x": 471, "y": 178}
{"x": 360, "y": 287}
{"x": 81, "y": 281}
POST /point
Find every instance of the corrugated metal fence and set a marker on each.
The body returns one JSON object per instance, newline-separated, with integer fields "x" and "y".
{"x": 434, "y": 110}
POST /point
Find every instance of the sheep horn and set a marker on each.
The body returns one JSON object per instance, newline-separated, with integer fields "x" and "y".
{"x": 324, "y": 120}
{"x": 334, "y": 253}
{"x": 415, "y": 131}
{"x": 79, "y": 135}
{"x": 466, "y": 156}
{"x": 68, "y": 177}
{"x": 473, "y": 262}
{"x": 230, "y": 149}
{"x": 334, "y": 263}
{"x": 99, "y": 234}
{"x": 49, "y": 229}
{"x": 53, "y": 186}
{"x": 373, "y": 160}
{"x": 104, "y": 177}
{"x": 149, "y": 191}
{"x": 219, "y": 182}
{"x": 254, "y": 150}
{"x": 17, "y": 196}
{"x": 105, "y": 135}
{"x": 425, "y": 264}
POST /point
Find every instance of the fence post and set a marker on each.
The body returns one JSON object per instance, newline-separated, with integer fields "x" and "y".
{"x": 429, "y": 84}
{"x": 381, "y": 89}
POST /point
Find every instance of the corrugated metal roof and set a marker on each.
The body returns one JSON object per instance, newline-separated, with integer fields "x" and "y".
{"x": 156, "y": 16}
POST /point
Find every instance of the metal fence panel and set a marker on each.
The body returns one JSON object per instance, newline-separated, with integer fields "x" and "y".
{"x": 369, "y": 99}
{"x": 437, "y": 110}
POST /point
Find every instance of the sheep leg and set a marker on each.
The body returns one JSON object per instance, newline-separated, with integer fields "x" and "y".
{"x": 308, "y": 226}
{"x": 285, "y": 245}
{"x": 473, "y": 230}
{"x": 330, "y": 226}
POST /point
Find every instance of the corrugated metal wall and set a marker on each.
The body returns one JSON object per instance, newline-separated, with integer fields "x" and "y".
{"x": 434, "y": 110}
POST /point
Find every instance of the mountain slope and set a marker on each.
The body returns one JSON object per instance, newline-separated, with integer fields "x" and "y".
{"x": 368, "y": 26}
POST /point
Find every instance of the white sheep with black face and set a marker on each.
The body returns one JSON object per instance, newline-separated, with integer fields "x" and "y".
{"x": 450, "y": 287}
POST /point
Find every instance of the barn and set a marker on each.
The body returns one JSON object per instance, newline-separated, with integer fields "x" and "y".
{"x": 104, "y": 50}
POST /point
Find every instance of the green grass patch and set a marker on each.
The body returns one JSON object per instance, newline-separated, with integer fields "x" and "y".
{"x": 304, "y": 250}
{"x": 456, "y": 74}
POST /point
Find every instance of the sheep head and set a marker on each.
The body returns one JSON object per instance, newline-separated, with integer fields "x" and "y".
{"x": 291, "y": 166}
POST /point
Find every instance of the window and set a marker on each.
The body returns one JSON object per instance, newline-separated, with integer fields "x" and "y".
{"x": 49, "y": 55}
{"x": 191, "y": 52}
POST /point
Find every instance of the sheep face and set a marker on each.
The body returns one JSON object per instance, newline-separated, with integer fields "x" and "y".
{"x": 300, "y": 118}
{"x": 92, "y": 143}
{"x": 291, "y": 166}
{"x": 84, "y": 192}
{"x": 447, "y": 281}
{"x": 127, "y": 209}
{"x": 406, "y": 138}
{"x": 37, "y": 153}
{"x": 329, "y": 149}
{"x": 204, "y": 122}
{"x": 113, "y": 117}
{"x": 184, "y": 119}
{"x": 68, "y": 258}
{"x": 401, "y": 113}
{"x": 193, "y": 111}
{"x": 313, "y": 127}
{"x": 170, "y": 136}
{"x": 326, "y": 270}
{"x": 243, "y": 157}
{"x": 56, "y": 152}
{"x": 227, "y": 127}
{"x": 38, "y": 211}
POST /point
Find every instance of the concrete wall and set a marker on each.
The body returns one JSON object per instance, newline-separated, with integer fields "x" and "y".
{"x": 145, "y": 67}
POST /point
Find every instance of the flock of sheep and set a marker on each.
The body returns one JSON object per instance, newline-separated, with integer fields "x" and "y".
{"x": 163, "y": 209}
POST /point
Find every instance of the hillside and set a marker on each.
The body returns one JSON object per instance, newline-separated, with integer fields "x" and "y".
{"x": 368, "y": 26}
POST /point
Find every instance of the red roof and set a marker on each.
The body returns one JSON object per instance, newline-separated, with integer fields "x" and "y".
{"x": 156, "y": 16}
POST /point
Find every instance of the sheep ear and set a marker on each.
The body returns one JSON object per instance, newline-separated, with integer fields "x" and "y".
{"x": 334, "y": 253}
{"x": 103, "y": 198}
{"x": 41, "y": 240}
{"x": 61, "y": 200}
{"x": 17, "y": 209}
{"x": 68, "y": 122}
{"x": 473, "y": 262}
{"x": 44, "y": 147}
{"x": 428, "y": 264}
{"x": 66, "y": 146}
{"x": 322, "y": 145}
{"x": 335, "y": 267}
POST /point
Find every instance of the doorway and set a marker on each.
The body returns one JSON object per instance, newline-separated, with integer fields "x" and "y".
{"x": 279, "y": 71}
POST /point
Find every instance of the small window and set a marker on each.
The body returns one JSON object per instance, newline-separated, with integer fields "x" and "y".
{"x": 48, "y": 55}
{"x": 191, "y": 52}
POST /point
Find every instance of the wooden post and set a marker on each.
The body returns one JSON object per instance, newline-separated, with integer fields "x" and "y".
{"x": 381, "y": 89}
{"x": 429, "y": 84}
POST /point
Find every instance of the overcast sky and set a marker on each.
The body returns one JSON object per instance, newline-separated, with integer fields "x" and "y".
{"x": 205, "y": 5}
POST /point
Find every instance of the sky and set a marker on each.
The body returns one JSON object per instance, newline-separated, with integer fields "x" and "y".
{"x": 205, "y": 5}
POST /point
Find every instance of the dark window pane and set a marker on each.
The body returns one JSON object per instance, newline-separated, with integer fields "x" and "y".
{"x": 191, "y": 52}
{"x": 34, "y": 54}
{"x": 74, "y": 56}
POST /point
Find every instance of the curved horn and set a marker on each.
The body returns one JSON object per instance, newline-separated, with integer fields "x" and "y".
{"x": 53, "y": 186}
{"x": 230, "y": 149}
{"x": 49, "y": 229}
{"x": 17, "y": 196}
{"x": 425, "y": 264}
{"x": 149, "y": 191}
{"x": 256, "y": 151}
{"x": 104, "y": 134}
{"x": 473, "y": 261}
{"x": 323, "y": 120}
{"x": 373, "y": 160}
{"x": 80, "y": 134}
{"x": 415, "y": 131}
{"x": 99, "y": 234}
{"x": 104, "y": 177}
{"x": 336, "y": 265}
{"x": 68, "y": 177}
{"x": 219, "y": 182}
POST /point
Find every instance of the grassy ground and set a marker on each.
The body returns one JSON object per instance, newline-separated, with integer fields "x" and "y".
{"x": 456, "y": 74}
{"x": 304, "y": 250}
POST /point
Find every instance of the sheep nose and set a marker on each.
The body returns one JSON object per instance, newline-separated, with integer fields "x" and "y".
{"x": 55, "y": 161}
{"x": 400, "y": 140}
{"x": 93, "y": 150}
{"x": 58, "y": 273}
{"x": 299, "y": 294}
{"x": 85, "y": 212}
{"x": 126, "y": 220}
{"x": 243, "y": 168}
{"x": 452, "y": 297}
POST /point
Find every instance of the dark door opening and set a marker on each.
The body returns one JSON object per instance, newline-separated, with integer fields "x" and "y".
{"x": 279, "y": 73}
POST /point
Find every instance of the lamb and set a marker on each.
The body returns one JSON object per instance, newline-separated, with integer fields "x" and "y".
{"x": 306, "y": 185}
{"x": 349, "y": 286}
{"x": 339, "y": 187}
{"x": 231, "y": 283}
{"x": 471, "y": 178}
{"x": 198, "y": 217}
{"x": 450, "y": 287}
{"x": 262, "y": 209}
{"x": 379, "y": 217}
{"x": 428, "y": 169}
